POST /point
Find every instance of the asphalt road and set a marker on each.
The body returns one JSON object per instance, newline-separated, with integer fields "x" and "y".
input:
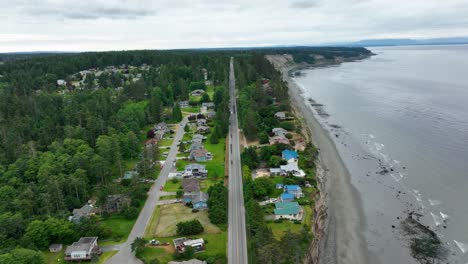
{"x": 237, "y": 241}
{"x": 125, "y": 255}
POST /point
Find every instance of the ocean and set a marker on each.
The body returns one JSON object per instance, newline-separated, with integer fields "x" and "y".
{"x": 399, "y": 120}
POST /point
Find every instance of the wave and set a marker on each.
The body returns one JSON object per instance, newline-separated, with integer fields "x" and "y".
{"x": 437, "y": 219}
{"x": 444, "y": 216}
{"x": 434, "y": 202}
{"x": 462, "y": 246}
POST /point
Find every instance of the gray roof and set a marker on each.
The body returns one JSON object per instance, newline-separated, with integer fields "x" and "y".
{"x": 84, "y": 244}
{"x": 195, "y": 166}
{"x": 190, "y": 185}
{"x": 84, "y": 211}
{"x": 196, "y": 145}
{"x": 197, "y": 197}
{"x": 208, "y": 104}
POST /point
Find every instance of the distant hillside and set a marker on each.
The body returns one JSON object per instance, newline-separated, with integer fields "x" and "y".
{"x": 403, "y": 42}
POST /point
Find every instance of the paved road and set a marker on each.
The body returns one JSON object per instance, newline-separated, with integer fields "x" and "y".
{"x": 125, "y": 255}
{"x": 237, "y": 241}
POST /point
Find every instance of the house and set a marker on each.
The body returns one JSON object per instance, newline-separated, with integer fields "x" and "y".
{"x": 294, "y": 189}
{"x": 196, "y": 145}
{"x": 192, "y": 117}
{"x": 181, "y": 243}
{"x": 199, "y": 155}
{"x": 281, "y": 115}
{"x": 54, "y": 248}
{"x": 197, "y": 92}
{"x": 207, "y": 106}
{"x": 128, "y": 175}
{"x": 275, "y": 171}
{"x": 85, "y": 249}
{"x": 203, "y": 130}
{"x": 292, "y": 168}
{"x": 195, "y": 170}
{"x": 61, "y": 82}
{"x": 162, "y": 127}
{"x": 288, "y": 210}
{"x": 151, "y": 142}
{"x": 199, "y": 200}
{"x": 197, "y": 138}
{"x": 184, "y": 104}
{"x": 85, "y": 211}
{"x": 286, "y": 197}
{"x": 210, "y": 114}
{"x": 115, "y": 203}
{"x": 190, "y": 186}
{"x": 202, "y": 122}
{"x": 278, "y": 131}
{"x": 279, "y": 186}
{"x": 279, "y": 140}
{"x": 192, "y": 261}
{"x": 159, "y": 134}
{"x": 289, "y": 155}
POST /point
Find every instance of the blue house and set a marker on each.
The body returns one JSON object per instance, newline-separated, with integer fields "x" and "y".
{"x": 295, "y": 190}
{"x": 198, "y": 200}
{"x": 287, "y": 197}
{"x": 289, "y": 154}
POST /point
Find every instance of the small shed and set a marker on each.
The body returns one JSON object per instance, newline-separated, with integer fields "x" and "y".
{"x": 54, "y": 248}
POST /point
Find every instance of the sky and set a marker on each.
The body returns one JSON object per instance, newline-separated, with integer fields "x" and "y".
{"x": 69, "y": 25}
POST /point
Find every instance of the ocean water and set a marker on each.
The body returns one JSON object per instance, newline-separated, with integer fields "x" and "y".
{"x": 400, "y": 123}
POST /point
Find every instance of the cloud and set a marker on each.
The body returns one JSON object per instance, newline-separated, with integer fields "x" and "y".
{"x": 95, "y": 10}
{"x": 304, "y": 3}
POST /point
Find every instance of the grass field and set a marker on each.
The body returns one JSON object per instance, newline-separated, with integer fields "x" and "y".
{"x": 165, "y": 142}
{"x": 168, "y": 197}
{"x": 215, "y": 246}
{"x": 279, "y": 229}
{"x": 171, "y": 214}
{"x": 153, "y": 224}
{"x": 193, "y": 109}
{"x": 106, "y": 256}
{"x": 120, "y": 227}
{"x": 171, "y": 186}
{"x": 52, "y": 258}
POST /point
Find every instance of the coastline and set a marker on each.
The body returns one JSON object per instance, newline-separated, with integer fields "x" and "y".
{"x": 338, "y": 213}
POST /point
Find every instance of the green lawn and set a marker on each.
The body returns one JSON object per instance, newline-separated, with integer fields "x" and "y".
{"x": 216, "y": 166}
{"x": 165, "y": 142}
{"x": 279, "y": 229}
{"x": 168, "y": 197}
{"x": 120, "y": 227}
{"x": 153, "y": 224}
{"x": 106, "y": 256}
{"x": 193, "y": 109}
{"x": 51, "y": 258}
{"x": 159, "y": 253}
{"x": 171, "y": 186}
{"x": 215, "y": 245}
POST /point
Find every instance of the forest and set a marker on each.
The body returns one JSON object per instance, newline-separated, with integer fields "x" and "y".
{"x": 58, "y": 150}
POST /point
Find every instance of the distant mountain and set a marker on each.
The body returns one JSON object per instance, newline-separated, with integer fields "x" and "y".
{"x": 404, "y": 42}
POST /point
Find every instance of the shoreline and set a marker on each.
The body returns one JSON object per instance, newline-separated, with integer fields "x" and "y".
{"x": 338, "y": 215}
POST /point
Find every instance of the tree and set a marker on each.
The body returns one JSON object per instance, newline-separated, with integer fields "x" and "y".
{"x": 37, "y": 234}
{"x": 205, "y": 98}
{"x": 186, "y": 128}
{"x": 214, "y": 138}
{"x": 188, "y": 228}
{"x": 21, "y": 256}
{"x": 179, "y": 194}
{"x": 138, "y": 246}
{"x": 263, "y": 138}
{"x": 176, "y": 113}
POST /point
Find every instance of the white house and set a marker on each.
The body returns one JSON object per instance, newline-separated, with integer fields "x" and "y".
{"x": 84, "y": 249}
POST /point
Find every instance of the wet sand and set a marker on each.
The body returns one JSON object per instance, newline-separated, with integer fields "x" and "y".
{"x": 342, "y": 240}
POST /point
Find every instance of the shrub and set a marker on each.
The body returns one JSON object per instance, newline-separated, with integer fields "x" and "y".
{"x": 188, "y": 228}
{"x": 288, "y": 125}
{"x": 288, "y": 136}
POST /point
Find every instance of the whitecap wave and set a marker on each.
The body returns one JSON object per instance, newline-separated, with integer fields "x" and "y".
{"x": 371, "y": 136}
{"x": 444, "y": 216}
{"x": 462, "y": 246}
{"x": 434, "y": 202}
{"x": 437, "y": 219}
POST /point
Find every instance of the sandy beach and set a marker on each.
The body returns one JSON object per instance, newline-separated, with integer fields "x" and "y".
{"x": 338, "y": 234}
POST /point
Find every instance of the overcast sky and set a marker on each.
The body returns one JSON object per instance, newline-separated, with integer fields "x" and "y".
{"x": 68, "y": 25}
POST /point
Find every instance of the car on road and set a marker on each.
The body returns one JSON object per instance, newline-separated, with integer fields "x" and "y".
{"x": 161, "y": 188}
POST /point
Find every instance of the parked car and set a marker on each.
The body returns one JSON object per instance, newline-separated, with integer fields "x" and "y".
{"x": 161, "y": 188}
{"x": 154, "y": 242}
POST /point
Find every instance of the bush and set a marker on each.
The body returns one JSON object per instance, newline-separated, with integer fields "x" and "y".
{"x": 188, "y": 228}
{"x": 288, "y": 125}
{"x": 280, "y": 220}
{"x": 130, "y": 212}
{"x": 297, "y": 222}
{"x": 288, "y": 136}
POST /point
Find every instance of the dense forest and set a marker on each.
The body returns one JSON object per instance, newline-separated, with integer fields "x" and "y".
{"x": 58, "y": 150}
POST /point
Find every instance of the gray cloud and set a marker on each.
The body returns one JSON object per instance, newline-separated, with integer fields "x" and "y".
{"x": 158, "y": 24}
{"x": 304, "y": 3}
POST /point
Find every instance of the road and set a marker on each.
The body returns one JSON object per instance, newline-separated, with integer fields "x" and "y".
{"x": 125, "y": 255}
{"x": 237, "y": 241}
